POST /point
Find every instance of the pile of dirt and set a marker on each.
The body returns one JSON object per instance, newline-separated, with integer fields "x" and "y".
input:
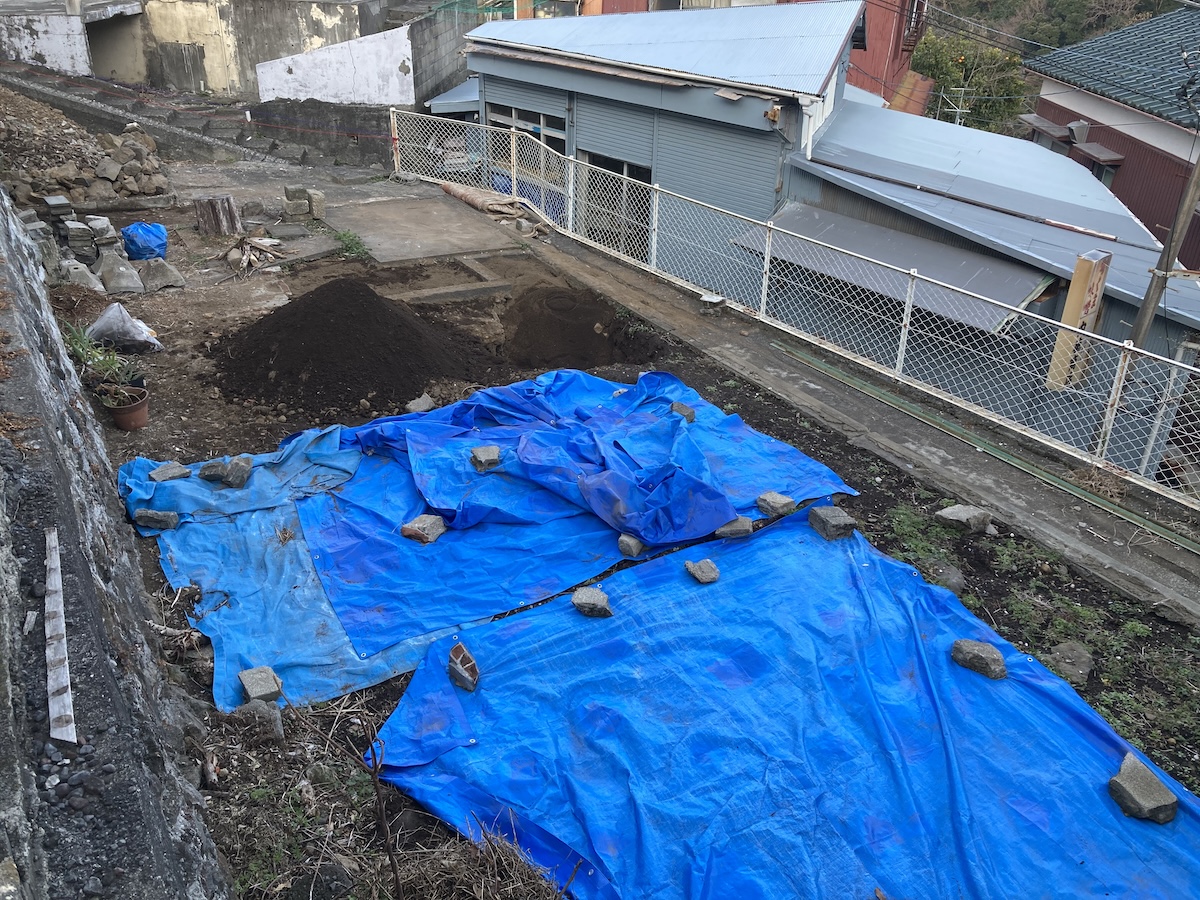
{"x": 341, "y": 344}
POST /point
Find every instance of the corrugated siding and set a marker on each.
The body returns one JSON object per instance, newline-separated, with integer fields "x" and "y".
{"x": 525, "y": 96}
{"x": 732, "y": 168}
{"x": 618, "y": 130}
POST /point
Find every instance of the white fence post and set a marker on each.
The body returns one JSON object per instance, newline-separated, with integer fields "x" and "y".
{"x": 571, "y": 167}
{"x": 766, "y": 272}
{"x": 906, "y": 321}
{"x": 512, "y": 158}
{"x": 1124, "y": 365}
{"x": 653, "y": 255}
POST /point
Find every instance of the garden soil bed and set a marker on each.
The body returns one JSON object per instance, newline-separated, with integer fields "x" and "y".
{"x": 242, "y": 370}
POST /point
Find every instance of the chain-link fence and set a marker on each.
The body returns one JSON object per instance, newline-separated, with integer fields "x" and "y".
{"x": 1105, "y": 403}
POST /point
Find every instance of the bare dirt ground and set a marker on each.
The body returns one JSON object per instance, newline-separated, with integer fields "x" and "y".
{"x": 300, "y": 818}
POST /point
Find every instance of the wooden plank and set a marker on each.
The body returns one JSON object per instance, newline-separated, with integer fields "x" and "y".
{"x": 58, "y": 671}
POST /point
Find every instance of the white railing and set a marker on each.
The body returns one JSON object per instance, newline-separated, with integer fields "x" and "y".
{"x": 1105, "y": 403}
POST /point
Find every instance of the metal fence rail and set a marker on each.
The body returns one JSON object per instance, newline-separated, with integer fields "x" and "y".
{"x": 1104, "y": 403}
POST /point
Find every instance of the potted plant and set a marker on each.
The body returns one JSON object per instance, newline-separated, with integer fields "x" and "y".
{"x": 129, "y": 405}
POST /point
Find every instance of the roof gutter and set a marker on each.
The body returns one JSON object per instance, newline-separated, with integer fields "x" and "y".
{"x": 478, "y": 44}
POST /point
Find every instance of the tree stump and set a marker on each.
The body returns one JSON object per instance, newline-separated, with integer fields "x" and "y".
{"x": 217, "y": 215}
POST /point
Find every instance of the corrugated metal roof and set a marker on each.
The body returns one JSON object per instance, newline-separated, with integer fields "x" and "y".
{"x": 992, "y": 170}
{"x": 459, "y": 99}
{"x": 1140, "y": 65}
{"x": 792, "y": 48}
{"x": 1045, "y": 246}
{"x": 1000, "y": 279}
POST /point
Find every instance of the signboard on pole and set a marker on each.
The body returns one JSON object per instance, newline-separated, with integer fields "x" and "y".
{"x": 1085, "y": 297}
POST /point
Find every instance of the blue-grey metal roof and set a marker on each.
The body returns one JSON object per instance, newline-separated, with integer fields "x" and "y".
{"x": 792, "y": 48}
{"x": 1140, "y": 66}
{"x": 1009, "y": 282}
{"x": 459, "y": 99}
{"x": 980, "y": 167}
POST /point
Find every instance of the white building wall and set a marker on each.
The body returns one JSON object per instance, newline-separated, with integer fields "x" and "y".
{"x": 56, "y": 42}
{"x": 374, "y": 70}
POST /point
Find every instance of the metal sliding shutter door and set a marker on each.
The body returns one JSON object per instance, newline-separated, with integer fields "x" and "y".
{"x": 733, "y": 168}
{"x": 525, "y": 96}
{"x": 618, "y": 130}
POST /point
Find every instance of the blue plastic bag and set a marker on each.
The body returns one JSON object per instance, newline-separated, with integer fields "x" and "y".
{"x": 145, "y": 241}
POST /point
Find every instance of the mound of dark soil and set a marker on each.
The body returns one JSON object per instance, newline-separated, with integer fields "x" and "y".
{"x": 342, "y": 343}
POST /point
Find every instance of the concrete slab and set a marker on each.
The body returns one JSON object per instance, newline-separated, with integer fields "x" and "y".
{"x": 397, "y": 231}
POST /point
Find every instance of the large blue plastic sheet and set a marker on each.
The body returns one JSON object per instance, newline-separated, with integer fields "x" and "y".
{"x": 304, "y": 568}
{"x": 796, "y": 729}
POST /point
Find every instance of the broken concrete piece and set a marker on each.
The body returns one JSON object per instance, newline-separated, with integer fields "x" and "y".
{"x": 684, "y": 410}
{"x": 979, "y": 657}
{"x": 630, "y": 545}
{"x": 294, "y": 209}
{"x": 169, "y": 472}
{"x": 262, "y": 719}
{"x": 100, "y": 225}
{"x": 485, "y": 457}
{"x": 831, "y": 522}
{"x": 118, "y": 276}
{"x": 316, "y": 203}
{"x": 1073, "y": 661}
{"x": 462, "y": 668}
{"x": 157, "y": 274}
{"x": 261, "y": 683}
{"x": 156, "y": 518}
{"x": 970, "y": 519}
{"x": 295, "y": 192}
{"x": 424, "y": 529}
{"x": 1140, "y": 794}
{"x": 214, "y": 470}
{"x": 237, "y": 471}
{"x": 592, "y": 602}
{"x": 422, "y": 404}
{"x": 774, "y": 504}
{"x": 943, "y": 574}
{"x": 705, "y": 571}
{"x": 77, "y": 273}
{"x": 742, "y": 526}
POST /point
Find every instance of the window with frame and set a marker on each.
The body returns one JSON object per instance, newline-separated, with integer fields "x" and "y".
{"x": 1105, "y": 173}
{"x": 550, "y": 130}
{"x": 1044, "y": 140}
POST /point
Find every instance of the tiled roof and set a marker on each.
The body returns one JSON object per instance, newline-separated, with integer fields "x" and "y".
{"x": 1140, "y": 66}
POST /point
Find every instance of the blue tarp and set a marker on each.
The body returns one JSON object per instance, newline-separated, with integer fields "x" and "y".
{"x": 796, "y": 729}
{"x": 304, "y": 568}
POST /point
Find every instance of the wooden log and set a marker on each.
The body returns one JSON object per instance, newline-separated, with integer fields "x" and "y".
{"x": 217, "y": 215}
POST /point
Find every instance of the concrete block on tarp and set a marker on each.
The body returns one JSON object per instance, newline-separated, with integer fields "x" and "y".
{"x": 261, "y": 683}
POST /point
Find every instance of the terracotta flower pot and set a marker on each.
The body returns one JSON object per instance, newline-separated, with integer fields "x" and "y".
{"x": 135, "y": 415}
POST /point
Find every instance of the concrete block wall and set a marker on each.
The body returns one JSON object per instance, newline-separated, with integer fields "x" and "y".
{"x": 437, "y": 44}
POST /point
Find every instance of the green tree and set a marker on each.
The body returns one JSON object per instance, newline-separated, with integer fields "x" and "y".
{"x": 985, "y": 82}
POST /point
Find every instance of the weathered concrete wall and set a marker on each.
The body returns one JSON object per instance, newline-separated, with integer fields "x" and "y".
{"x": 118, "y": 48}
{"x": 222, "y": 41}
{"x": 352, "y": 135}
{"x": 375, "y": 70}
{"x": 56, "y": 42}
{"x": 437, "y": 43}
{"x": 152, "y": 817}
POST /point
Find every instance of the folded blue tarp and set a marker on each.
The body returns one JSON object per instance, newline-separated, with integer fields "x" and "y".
{"x": 305, "y": 567}
{"x": 796, "y": 729}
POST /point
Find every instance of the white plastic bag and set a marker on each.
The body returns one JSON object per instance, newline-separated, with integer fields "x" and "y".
{"x": 117, "y": 328}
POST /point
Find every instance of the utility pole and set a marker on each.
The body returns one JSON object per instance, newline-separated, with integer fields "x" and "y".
{"x": 1179, "y": 227}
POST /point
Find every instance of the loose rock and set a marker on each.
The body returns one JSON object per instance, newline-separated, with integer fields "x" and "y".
{"x": 742, "y": 526}
{"x": 157, "y": 274}
{"x": 684, "y": 410}
{"x": 970, "y": 519}
{"x": 263, "y": 719}
{"x": 774, "y": 504}
{"x": 169, "y": 472}
{"x": 118, "y": 276}
{"x": 261, "y": 683}
{"x": 214, "y": 470}
{"x": 1140, "y": 794}
{"x": 979, "y": 657}
{"x": 485, "y": 457}
{"x": 424, "y": 529}
{"x": 422, "y": 404}
{"x": 237, "y": 471}
{"x": 1073, "y": 661}
{"x": 831, "y": 522}
{"x": 156, "y": 518}
{"x": 592, "y": 602}
{"x": 630, "y": 545}
{"x": 945, "y": 575}
{"x": 705, "y": 571}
